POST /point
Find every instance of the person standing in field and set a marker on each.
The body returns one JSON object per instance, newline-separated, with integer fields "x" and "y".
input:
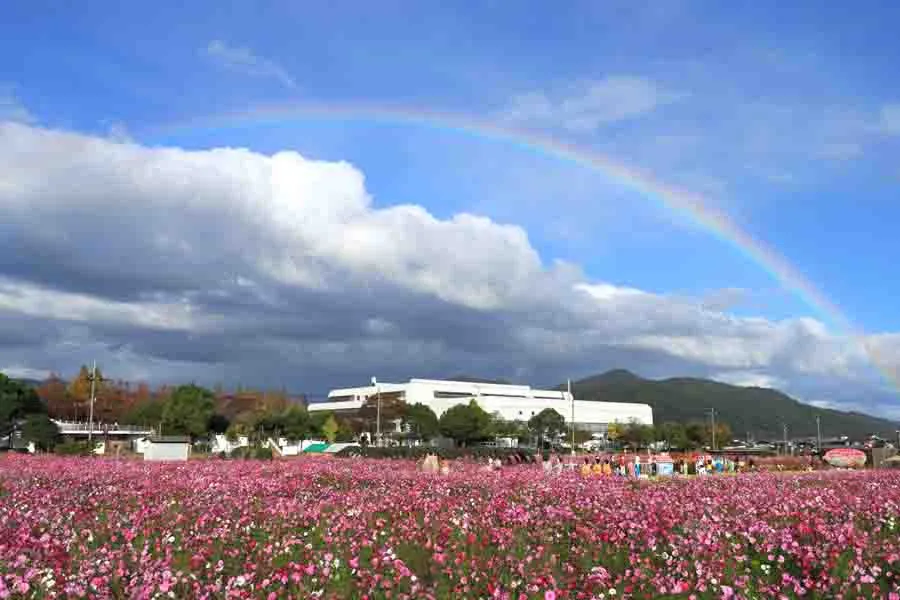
{"x": 586, "y": 468}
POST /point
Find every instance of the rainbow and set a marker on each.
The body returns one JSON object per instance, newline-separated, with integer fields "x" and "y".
{"x": 677, "y": 200}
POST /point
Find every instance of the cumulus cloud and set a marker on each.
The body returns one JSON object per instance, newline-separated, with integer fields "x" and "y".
{"x": 230, "y": 265}
{"x": 11, "y": 108}
{"x": 587, "y": 106}
{"x": 243, "y": 60}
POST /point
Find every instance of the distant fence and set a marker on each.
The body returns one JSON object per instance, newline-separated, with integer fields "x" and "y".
{"x": 78, "y": 427}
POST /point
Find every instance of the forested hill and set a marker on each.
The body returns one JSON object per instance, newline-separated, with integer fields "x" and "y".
{"x": 759, "y": 412}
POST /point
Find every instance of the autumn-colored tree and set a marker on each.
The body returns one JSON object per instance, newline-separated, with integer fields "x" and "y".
{"x": 142, "y": 393}
{"x": 59, "y": 404}
{"x": 113, "y": 402}
{"x": 274, "y": 401}
{"x": 613, "y": 431}
{"x": 80, "y": 386}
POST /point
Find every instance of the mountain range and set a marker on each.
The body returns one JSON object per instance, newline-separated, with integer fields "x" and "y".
{"x": 751, "y": 412}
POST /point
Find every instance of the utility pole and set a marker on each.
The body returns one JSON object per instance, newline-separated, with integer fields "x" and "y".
{"x": 818, "y": 435}
{"x": 572, "y": 400}
{"x": 784, "y": 425}
{"x": 93, "y": 379}
{"x": 712, "y": 418}
{"x": 377, "y": 411}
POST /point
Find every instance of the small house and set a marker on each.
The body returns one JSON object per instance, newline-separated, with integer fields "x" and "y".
{"x": 172, "y": 447}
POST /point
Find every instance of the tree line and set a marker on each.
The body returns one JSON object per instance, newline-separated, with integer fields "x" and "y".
{"x": 198, "y": 412}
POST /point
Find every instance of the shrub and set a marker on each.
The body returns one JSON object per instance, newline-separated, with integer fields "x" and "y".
{"x": 251, "y": 452}
{"x": 240, "y": 452}
{"x": 263, "y": 453}
{"x": 73, "y": 449}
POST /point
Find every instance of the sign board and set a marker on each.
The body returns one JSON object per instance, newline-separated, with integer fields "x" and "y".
{"x": 845, "y": 457}
{"x": 664, "y": 468}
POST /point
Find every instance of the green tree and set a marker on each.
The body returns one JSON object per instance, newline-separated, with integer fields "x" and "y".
{"x": 465, "y": 423}
{"x": 501, "y": 427}
{"x": 422, "y": 421}
{"x": 317, "y": 420}
{"x": 330, "y": 429}
{"x": 723, "y": 435}
{"x": 218, "y": 423}
{"x": 16, "y": 402}
{"x": 147, "y": 412}
{"x": 241, "y": 426}
{"x": 393, "y": 407}
{"x": 582, "y": 436}
{"x": 547, "y": 424}
{"x": 188, "y": 411}
{"x": 39, "y": 429}
{"x": 637, "y": 435}
{"x": 673, "y": 434}
{"x": 295, "y": 423}
{"x": 697, "y": 434}
{"x": 345, "y": 431}
{"x": 266, "y": 423}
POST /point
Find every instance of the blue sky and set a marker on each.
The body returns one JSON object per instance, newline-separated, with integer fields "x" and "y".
{"x": 785, "y": 117}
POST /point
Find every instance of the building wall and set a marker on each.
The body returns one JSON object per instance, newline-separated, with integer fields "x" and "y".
{"x": 512, "y": 402}
{"x": 167, "y": 451}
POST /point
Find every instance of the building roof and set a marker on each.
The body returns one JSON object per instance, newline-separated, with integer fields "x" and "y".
{"x": 316, "y": 448}
{"x": 170, "y": 439}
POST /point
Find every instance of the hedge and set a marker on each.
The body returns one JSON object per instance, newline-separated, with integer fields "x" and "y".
{"x": 418, "y": 452}
{"x": 255, "y": 452}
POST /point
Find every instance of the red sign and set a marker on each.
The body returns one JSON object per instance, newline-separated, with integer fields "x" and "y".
{"x": 845, "y": 457}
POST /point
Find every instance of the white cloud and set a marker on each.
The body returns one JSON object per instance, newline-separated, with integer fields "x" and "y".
{"x": 239, "y": 262}
{"x": 890, "y": 118}
{"x": 11, "y": 108}
{"x": 725, "y": 299}
{"x": 18, "y": 372}
{"x": 118, "y": 131}
{"x": 749, "y": 379}
{"x": 587, "y": 106}
{"x": 35, "y": 301}
{"x": 243, "y": 60}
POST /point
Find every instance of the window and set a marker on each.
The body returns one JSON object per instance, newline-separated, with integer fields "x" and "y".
{"x": 341, "y": 398}
{"x": 440, "y": 394}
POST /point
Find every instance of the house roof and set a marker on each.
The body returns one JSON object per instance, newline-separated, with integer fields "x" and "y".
{"x": 170, "y": 439}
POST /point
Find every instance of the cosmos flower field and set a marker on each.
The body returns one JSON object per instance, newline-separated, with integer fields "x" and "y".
{"x": 333, "y": 528}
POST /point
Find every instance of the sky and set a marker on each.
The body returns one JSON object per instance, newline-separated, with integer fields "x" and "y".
{"x": 306, "y": 195}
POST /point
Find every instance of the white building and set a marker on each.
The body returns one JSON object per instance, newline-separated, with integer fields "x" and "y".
{"x": 511, "y": 402}
{"x": 166, "y": 448}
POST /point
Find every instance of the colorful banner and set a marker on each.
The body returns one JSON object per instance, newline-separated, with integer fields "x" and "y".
{"x": 845, "y": 457}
